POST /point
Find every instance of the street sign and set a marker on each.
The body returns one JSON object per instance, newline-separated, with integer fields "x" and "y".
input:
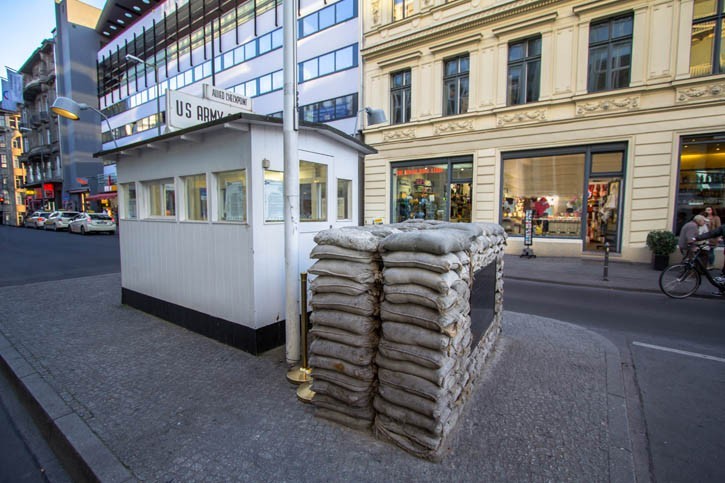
{"x": 228, "y": 97}
{"x": 184, "y": 110}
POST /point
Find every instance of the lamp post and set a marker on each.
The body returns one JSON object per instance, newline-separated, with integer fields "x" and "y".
{"x": 70, "y": 109}
{"x": 158, "y": 94}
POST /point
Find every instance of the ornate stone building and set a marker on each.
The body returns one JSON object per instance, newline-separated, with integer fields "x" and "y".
{"x": 603, "y": 120}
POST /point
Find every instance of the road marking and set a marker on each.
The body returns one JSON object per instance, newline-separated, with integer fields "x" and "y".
{"x": 677, "y": 351}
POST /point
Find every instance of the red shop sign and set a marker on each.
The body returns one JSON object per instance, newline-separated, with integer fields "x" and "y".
{"x": 409, "y": 171}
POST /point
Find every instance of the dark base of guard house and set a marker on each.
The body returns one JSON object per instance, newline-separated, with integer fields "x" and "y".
{"x": 254, "y": 341}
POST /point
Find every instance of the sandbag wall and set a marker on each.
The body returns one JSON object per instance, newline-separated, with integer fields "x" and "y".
{"x": 415, "y": 342}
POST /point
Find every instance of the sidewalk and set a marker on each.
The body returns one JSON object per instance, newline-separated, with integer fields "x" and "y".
{"x": 131, "y": 397}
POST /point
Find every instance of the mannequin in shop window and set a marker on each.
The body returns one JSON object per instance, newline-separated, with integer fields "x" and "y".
{"x": 542, "y": 208}
{"x": 403, "y": 207}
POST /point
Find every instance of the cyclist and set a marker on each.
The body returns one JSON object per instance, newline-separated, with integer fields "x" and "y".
{"x": 711, "y": 234}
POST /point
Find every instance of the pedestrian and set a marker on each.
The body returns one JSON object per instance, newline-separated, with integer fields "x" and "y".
{"x": 714, "y": 222}
{"x": 718, "y": 232}
{"x": 688, "y": 233}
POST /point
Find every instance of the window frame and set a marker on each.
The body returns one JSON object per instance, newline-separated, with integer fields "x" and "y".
{"x": 526, "y": 62}
{"x": 347, "y": 200}
{"x": 160, "y": 184}
{"x": 610, "y": 43}
{"x": 716, "y": 66}
{"x": 457, "y": 78}
{"x": 405, "y": 89}
{"x": 204, "y": 207}
{"x": 221, "y": 197}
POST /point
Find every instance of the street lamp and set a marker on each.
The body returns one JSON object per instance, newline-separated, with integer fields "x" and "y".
{"x": 374, "y": 116}
{"x": 156, "y": 76}
{"x": 70, "y": 109}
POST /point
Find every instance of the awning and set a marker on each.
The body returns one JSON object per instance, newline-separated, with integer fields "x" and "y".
{"x": 102, "y": 196}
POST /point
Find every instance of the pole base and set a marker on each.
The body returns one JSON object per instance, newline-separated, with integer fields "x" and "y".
{"x": 305, "y": 392}
{"x": 298, "y": 375}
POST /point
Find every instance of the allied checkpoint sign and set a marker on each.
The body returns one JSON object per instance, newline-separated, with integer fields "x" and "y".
{"x": 184, "y": 110}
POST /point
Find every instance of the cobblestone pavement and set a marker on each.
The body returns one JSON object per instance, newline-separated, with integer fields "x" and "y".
{"x": 172, "y": 405}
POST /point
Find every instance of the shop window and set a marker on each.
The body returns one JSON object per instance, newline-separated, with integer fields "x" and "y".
{"x": 344, "y": 199}
{"x": 610, "y": 53}
{"x": 701, "y": 178}
{"x": 232, "y": 195}
{"x": 162, "y": 197}
{"x": 421, "y": 192}
{"x": 455, "y": 85}
{"x": 707, "y": 55}
{"x": 313, "y": 191}
{"x": 524, "y": 71}
{"x": 129, "y": 191}
{"x": 400, "y": 96}
{"x": 196, "y": 198}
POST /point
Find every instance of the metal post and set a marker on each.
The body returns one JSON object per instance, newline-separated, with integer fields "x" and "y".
{"x": 305, "y": 392}
{"x": 606, "y": 261}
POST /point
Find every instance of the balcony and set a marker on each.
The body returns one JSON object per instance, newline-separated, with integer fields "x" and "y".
{"x": 33, "y": 88}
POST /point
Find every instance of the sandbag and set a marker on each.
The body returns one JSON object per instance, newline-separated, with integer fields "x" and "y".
{"x": 416, "y": 441}
{"x": 412, "y": 353}
{"x": 359, "y": 324}
{"x": 406, "y": 416}
{"x": 438, "y": 409}
{"x": 344, "y": 419}
{"x": 330, "y": 284}
{"x": 425, "y": 261}
{"x": 424, "y": 316}
{"x": 436, "y": 376}
{"x": 359, "y": 272}
{"x": 344, "y": 337}
{"x": 357, "y": 355}
{"x": 327, "y": 402}
{"x": 364, "y": 373}
{"x": 414, "y": 335}
{"x": 365, "y": 304}
{"x": 438, "y": 241}
{"x": 440, "y": 282}
{"x": 351, "y": 398}
{"x": 410, "y": 293}
{"x": 414, "y": 384}
{"x": 346, "y": 382}
{"x": 340, "y": 253}
{"x": 353, "y": 239}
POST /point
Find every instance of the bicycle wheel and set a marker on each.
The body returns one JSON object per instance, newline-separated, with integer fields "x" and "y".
{"x": 679, "y": 281}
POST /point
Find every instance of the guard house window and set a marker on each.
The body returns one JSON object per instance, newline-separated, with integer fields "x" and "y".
{"x": 232, "y": 195}
{"x": 162, "y": 198}
{"x": 524, "y": 71}
{"x": 707, "y": 55}
{"x": 344, "y": 199}
{"x": 610, "y": 53}
{"x": 313, "y": 191}
{"x": 400, "y": 96}
{"x": 455, "y": 85}
{"x": 130, "y": 192}
{"x": 402, "y": 9}
{"x": 196, "y": 197}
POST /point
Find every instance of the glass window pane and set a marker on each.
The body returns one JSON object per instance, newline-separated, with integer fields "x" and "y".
{"x": 273, "y": 196}
{"x": 516, "y": 52}
{"x": 327, "y": 111}
{"x": 169, "y": 198}
{"x": 196, "y": 199}
{"x": 344, "y": 199}
{"x": 420, "y": 192}
{"x": 343, "y": 58}
{"x": 463, "y": 95}
{"x": 232, "y": 195}
{"x": 327, "y": 17}
{"x": 599, "y": 32}
{"x": 309, "y": 24}
{"x": 701, "y": 178}
{"x": 309, "y": 69}
{"x": 265, "y": 84}
{"x": 398, "y": 9}
{"x": 326, "y": 64}
{"x": 534, "y": 47}
{"x": 622, "y": 27}
{"x": 277, "y": 38}
{"x": 451, "y": 67}
{"x": 462, "y": 171}
{"x": 464, "y": 64}
{"x": 250, "y": 50}
{"x": 514, "y": 85}
{"x": 308, "y": 113}
{"x": 397, "y": 99}
{"x": 532, "y": 81}
{"x": 344, "y": 10}
{"x": 549, "y": 186}
{"x": 344, "y": 107}
{"x": 265, "y": 43}
{"x": 313, "y": 191}
{"x": 704, "y": 8}
{"x": 250, "y": 88}
{"x": 239, "y": 55}
{"x": 607, "y": 162}
{"x": 722, "y": 44}
{"x": 598, "y": 69}
{"x": 277, "y": 80}
{"x": 228, "y": 60}
{"x": 450, "y": 93}
{"x": 701, "y": 48}
{"x": 130, "y": 191}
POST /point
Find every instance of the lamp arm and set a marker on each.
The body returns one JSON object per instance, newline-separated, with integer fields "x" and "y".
{"x": 105, "y": 118}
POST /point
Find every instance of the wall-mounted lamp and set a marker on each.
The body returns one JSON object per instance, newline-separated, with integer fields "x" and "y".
{"x": 266, "y": 163}
{"x": 155, "y": 67}
{"x": 374, "y": 116}
{"x": 70, "y": 109}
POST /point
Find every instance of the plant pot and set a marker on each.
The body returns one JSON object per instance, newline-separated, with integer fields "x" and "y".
{"x": 660, "y": 262}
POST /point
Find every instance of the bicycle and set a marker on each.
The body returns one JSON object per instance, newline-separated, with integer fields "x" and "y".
{"x": 683, "y": 279}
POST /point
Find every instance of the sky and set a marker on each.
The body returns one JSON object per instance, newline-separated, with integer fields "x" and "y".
{"x": 25, "y": 23}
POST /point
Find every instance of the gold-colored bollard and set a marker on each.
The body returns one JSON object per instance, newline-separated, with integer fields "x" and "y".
{"x": 301, "y": 374}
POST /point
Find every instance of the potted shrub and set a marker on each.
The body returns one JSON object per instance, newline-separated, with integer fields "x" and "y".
{"x": 662, "y": 243}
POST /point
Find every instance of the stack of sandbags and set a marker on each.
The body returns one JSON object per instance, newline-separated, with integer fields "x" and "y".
{"x": 426, "y": 337}
{"x": 345, "y": 323}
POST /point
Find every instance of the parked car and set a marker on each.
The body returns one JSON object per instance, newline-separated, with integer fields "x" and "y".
{"x": 59, "y": 220}
{"x": 37, "y": 219}
{"x": 85, "y": 223}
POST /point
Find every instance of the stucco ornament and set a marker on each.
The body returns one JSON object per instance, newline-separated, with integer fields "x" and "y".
{"x": 453, "y": 126}
{"x": 609, "y": 105}
{"x": 528, "y": 116}
{"x": 375, "y": 7}
{"x": 399, "y": 134}
{"x": 701, "y": 92}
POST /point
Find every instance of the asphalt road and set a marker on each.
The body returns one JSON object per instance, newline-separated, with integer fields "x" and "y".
{"x": 676, "y": 350}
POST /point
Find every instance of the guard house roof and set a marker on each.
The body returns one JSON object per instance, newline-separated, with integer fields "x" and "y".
{"x": 233, "y": 122}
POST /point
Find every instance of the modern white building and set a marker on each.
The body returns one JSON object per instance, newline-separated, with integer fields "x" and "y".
{"x": 202, "y": 221}
{"x": 231, "y": 44}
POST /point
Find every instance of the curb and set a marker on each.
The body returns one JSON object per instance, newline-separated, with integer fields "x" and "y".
{"x": 602, "y": 284}
{"x": 81, "y": 452}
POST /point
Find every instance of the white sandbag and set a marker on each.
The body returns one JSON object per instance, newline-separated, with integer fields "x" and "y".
{"x": 410, "y": 293}
{"x": 356, "y": 355}
{"x": 358, "y": 324}
{"x": 414, "y": 440}
{"x": 330, "y": 284}
{"x": 414, "y": 384}
{"x": 363, "y": 373}
{"x": 332, "y": 252}
{"x": 423, "y": 316}
{"x": 412, "y": 353}
{"x": 436, "y": 376}
{"x": 414, "y": 335}
{"x": 353, "y": 239}
{"x": 346, "y": 382}
{"x": 344, "y": 419}
{"x": 343, "y": 336}
{"x": 438, "y": 241}
{"x": 359, "y": 272}
{"x": 351, "y": 398}
{"x": 425, "y": 261}
{"x": 406, "y": 416}
{"x": 327, "y": 402}
{"x": 365, "y": 304}
{"x": 438, "y": 409}
{"x": 440, "y": 282}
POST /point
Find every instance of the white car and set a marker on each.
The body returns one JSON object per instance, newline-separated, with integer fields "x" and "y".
{"x": 37, "y": 219}
{"x": 59, "y": 220}
{"x": 85, "y": 223}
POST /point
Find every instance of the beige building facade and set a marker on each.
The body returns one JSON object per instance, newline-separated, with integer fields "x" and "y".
{"x": 599, "y": 120}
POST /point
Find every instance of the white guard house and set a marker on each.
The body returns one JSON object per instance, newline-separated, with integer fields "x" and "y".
{"x": 201, "y": 221}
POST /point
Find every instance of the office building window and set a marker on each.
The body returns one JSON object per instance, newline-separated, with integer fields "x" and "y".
{"x": 342, "y": 59}
{"x": 610, "y": 53}
{"x": 330, "y": 110}
{"x": 313, "y": 191}
{"x": 232, "y": 195}
{"x": 400, "y": 97}
{"x": 162, "y": 197}
{"x": 707, "y": 55}
{"x": 129, "y": 190}
{"x": 327, "y": 17}
{"x": 344, "y": 199}
{"x": 196, "y": 198}
{"x": 524, "y": 71}
{"x": 402, "y": 9}
{"x": 455, "y": 85}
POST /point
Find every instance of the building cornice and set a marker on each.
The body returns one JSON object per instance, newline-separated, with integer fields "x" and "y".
{"x": 454, "y": 26}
